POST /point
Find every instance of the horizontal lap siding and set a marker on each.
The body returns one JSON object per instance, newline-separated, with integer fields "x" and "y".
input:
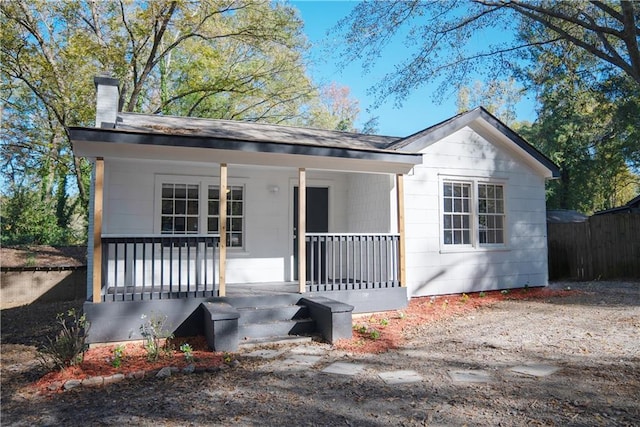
{"x": 523, "y": 262}
{"x": 130, "y": 209}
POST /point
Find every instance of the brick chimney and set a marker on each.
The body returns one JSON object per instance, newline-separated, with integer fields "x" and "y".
{"x": 107, "y": 101}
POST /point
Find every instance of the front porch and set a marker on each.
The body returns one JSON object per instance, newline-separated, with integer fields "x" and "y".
{"x": 178, "y": 276}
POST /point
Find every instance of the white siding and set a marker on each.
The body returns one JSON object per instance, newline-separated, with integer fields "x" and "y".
{"x": 523, "y": 261}
{"x": 369, "y": 203}
{"x": 130, "y": 208}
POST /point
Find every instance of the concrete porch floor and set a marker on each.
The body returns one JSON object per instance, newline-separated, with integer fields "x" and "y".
{"x": 253, "y": 289}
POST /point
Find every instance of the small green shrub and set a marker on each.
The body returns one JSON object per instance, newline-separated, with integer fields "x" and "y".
{"x": 187, "y": 351}
{"x": 464, "y": 298}
{"x": 118, "y": 355}
{"x": 384, "y": 322}
{"x": 374, "y": 334}
{"x": 482, "y": 294}
{"x": 154, "y": 332}
{"x": 68, "y": 347}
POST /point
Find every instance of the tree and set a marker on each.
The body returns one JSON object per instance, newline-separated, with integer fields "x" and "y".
{"x": 211, "y": 58}
{"x": 587, "y": 124}
{"x": 441, "y": 37}
{"x": 498, "y": 97}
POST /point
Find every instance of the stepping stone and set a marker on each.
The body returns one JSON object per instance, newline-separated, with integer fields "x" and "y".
{"x": 301, "y": 360}
{"x": 308, "y": 350}
{"x": 265, "y": 354}
{"x": 400, "y": 377}
{"x": 344, "y": 368}
{"x": 536, "y": 370}
{"x": 471, "y": 376}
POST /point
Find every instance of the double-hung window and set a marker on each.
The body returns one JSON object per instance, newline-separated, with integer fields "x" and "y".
{"x": 473, "y": 213}
{"x": 191, "y": 206}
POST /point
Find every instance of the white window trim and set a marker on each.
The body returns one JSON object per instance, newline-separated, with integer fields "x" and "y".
{"x": 203, "y": 182}
{"x": 475, "y": 245}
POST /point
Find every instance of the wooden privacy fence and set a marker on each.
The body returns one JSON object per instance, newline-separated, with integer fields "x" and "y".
{"x": 603, "y": 247}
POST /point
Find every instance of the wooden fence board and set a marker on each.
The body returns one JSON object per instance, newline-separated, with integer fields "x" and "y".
{"x": 604, "y": 247}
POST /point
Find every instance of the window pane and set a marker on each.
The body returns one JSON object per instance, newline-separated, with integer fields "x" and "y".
{"x": 167, "y": 207}
{"x": 499, "y": 206}
{"x": 192, "y": 207}
{"x": 447, "y": 221}
{"x": 213, "y": 193}
{"x": 448, "y": 203}
{"x": 180, "y": 207}
{"x": 236, "y": 224}
{"x": 457, "y": 190}
{"x": 193, "y": 192}
{"x": 192, "y": 224}
{"x": 466, "y": 237}
{"x": 212, "y": 225}
{"x": 236, "y": 193}
{"x": 167, "y": 191}
{"x": 465, "y": 221}
{"x": 499, "y": 192}
{"x": 167, "y": 224}
{"x": 180, "y": 191}
{"x": 236, "y": 208}
{"x": 447, "y": 189}
{"x": 213, "y": 208}
{"x": 482, "y": 192}
{"x": 448, "y": 239}
{"x": 457, "y": 205}
{"x": 457, "y": 221}
{"x": 179, "y": 224}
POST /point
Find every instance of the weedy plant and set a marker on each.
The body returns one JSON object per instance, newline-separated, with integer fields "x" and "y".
{"x": 464, "y": 298}
{"x": 187, "y": 351}
{"x": 157, "y": 338}
{"x": 384, "y": 322}
{"x": 118, "y": 355}
{"x": 68, "y": 347}
{"x": 482, "y": 294}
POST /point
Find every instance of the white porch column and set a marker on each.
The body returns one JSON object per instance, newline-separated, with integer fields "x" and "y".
{"x": 401, "y": 231}
{"x": 302, "y": 230}
{"x": 97, "y": 230}
{"x": 222, "y": 230}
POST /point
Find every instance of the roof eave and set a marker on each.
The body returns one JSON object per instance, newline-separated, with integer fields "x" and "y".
{"x": 91, "y": 142}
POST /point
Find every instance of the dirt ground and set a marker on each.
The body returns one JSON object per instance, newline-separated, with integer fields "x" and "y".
{"x": 592, "y": 336}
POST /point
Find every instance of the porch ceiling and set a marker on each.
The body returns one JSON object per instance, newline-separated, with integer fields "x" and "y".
{"x": 117, "y": 143}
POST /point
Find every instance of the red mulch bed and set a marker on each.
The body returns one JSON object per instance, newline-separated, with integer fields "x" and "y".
{"x": 376, "y": 333}
{"x": 98, "y": 361}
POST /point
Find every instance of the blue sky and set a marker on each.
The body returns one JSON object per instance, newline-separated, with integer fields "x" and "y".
{"x": 417, "y": 112}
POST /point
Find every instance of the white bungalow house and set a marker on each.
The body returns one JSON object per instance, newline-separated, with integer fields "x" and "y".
{"x": 193, "y": 217}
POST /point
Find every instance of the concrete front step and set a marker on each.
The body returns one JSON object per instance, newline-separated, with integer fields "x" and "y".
{"x": 276, "y": 329}
{"x": 284, "y": 340}
{"x": 250, "y": 315}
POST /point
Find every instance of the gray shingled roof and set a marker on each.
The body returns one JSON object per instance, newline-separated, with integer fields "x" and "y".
{"x": 248, "y": 131}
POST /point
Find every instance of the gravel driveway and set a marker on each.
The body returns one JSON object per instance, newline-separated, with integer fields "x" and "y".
{"x": 591, "y": 340}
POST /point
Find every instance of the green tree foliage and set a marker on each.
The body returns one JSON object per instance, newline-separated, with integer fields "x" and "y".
{"x": 588, "y": 124}
{"x": 239, "y": 60}
{"x": 453, "y": 41}
{"x": 498, "y": 97}
{"x": 580, "y": 57}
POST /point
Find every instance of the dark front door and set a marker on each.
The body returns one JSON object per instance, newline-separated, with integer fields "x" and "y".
{"x": 317, "y": 222}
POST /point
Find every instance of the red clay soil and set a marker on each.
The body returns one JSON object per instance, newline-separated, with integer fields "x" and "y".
{"x": 375, "y": 333}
